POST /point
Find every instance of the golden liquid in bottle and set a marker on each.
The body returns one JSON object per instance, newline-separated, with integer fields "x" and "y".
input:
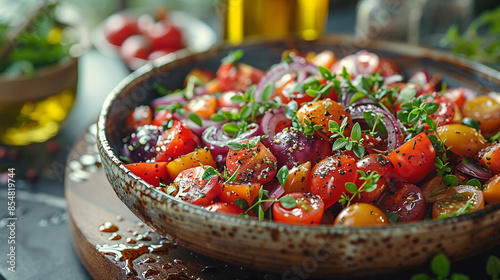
{"x": 274, "y": 18}
{"x": 35, "y": 121}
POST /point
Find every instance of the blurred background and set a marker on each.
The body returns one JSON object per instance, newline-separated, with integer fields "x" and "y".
{"x": 58, "y": 63}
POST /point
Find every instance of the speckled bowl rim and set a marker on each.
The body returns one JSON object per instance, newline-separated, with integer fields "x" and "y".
{"x": 150, "y": 70}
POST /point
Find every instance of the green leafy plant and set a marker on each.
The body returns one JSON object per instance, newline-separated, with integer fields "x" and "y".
{"x": 481, "y": 40}
{"x": 441, "y": 268}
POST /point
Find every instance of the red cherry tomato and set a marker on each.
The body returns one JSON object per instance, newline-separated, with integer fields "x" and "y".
{"x": 139, "y": 116}
{"x": 489, "y": 157}
{"x": 308, "y": 211}
{"x": 153, "y": 173}
{"x": 407, "y": 201}
{"x": 193, "y": 189}
{"x": 256, "y": 164}
{"x": 445, "y": 113}
{"x": 329, "y": 176}
{"x": 164, "y": 35}
{"x": 175, "y": 142}
{"x": 456, "y": 201}
{"x": 135, "y": 50}
{"x": 414, "y": 159}
{"x": 383, "y": 167}
{"x": 238, "y": 76}
{"x": 118, "y": 27}
{"x": 228, "y": 208}
{"x": 387, "y": 67}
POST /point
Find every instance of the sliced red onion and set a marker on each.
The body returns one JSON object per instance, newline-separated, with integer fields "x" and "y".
{"x": 216, "y": 140}
{"x": 469, "y": 167}
{"x": 299, "y": 65}
{"x": 394, "y": 132}
{"x": 198, "y": 130}
{"x": 275, "y": 191}
{"x": 365, "y": 62}
{"x": 269, "y": 123}
{"x": 346, "y": 62}
{"x": 167, "y": 100}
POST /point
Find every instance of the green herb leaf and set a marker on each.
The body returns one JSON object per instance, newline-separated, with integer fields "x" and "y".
{"x": 254, "y": 141}
{"x": 237, "y": 99}
{"x": 368, "y": 115}
{"x": 283, "y": 175}
{"x": 406, "y": 95}
{"x": 261, "y": 213}
{"x": 230, "y": 128}
{"x": 288, "y": 202}
{"x": 233, "y": 57}
{"x": 124, "y": 159}
{"x": 392, "y": 217}
{"x": 268, "y": 91}
{"x": 339, "y": 144}
{"x": 356, "y": 132}
{"x": 241, "y": 203}
{"x": 440, "y": 265}
{"x": 196, "y": 119}
{"x": 430, "y": 107}
{"x": 358, "y": 150}
{"x": 475, "y": 182}
{"x": 493, "y": 266}
{"x": 450, "y": 180}
{"x": 236, "y": 146}
{"x": 351, "y": 187}
{"x": 471, "y": 123}
{"x": 209, "y": 173}
{"x": 356, "y": 97}
{"x": 291, "y": 109}
{"x": 325, "y": 73}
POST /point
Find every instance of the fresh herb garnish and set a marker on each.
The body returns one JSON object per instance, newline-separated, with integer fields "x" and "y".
{"x": 352, "y": 143}
{"x": 369, "y": 185}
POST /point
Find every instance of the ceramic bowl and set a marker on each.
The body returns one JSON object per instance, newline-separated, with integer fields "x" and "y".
{"x": 278, "y": 248}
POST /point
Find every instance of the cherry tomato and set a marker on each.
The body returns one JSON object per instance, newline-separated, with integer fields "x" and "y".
{"x": 308, "y": 211}
{"x": 199, "y": 157}
{"x": 445, "y": 113}
{"x": 456, "y": 95}
{"x": 361, "y": 215}
{"x": 383, "y": 167}
{"x": 298, "y": 178}
{"x": 491, "y": 190}
{"x": 387, "y": 67}
{"x": 485, "y": 110}
{"x": 463, "y": 140}
{"x": 135, "y": 50}
{"x": 204, "y": 106}
{"x": 256, "y": 164}
{"x": 329, "y": 176}
{"x": 231, "y": 191}
{"x": 139, "y": 116}
{"x": 164, "y": 35}
{"x": 228, "y": 208}
{"x": 325, "y": 58}
{"x": 456, "y": 201}
{"x": 118, "y": 27}
{"x": 414, "y": 159}
{"x": 177, "y": 141}
{"x": 489, "y": 157}
{"x": 162, "y": 117}
{"x": 203, "y": 75}
{"x": 193, "y": 189}
{"x": 407, "y": 201}
{"x": 238, "y": 76}
{"x": 322, "y": 112}
{"x": 153, "y": 173}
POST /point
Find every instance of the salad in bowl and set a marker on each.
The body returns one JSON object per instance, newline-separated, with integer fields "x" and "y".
{"x": 370, "y": 158}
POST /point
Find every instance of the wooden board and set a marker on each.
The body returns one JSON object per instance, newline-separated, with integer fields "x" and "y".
{"x": 92, "y": 203}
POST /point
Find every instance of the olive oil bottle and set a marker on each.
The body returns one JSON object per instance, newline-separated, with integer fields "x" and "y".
{"x": 273, "y": 19}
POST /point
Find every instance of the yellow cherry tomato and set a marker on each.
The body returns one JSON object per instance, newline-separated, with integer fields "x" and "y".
{"x": 464, "y": 140}
{"x": 491, "y": 190}
{"x": 322, "y": 112}
{"x": 361, "y": 215}
{"x": 485, "y": 110}
{"x": 298, "y": 178}
{"x": 193, "y": 159}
